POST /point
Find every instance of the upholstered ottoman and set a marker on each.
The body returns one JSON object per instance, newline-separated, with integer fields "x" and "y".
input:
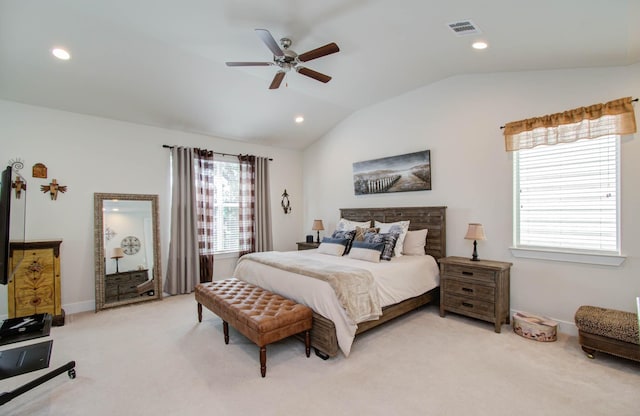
{"x": 608, "y": 330}
{"x": 261, "y": 316}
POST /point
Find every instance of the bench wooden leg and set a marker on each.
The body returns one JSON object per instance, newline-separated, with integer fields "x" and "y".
{"x": 225, "y": 329}
{"x": 307, "y": 343}
{"x": 199, "y": 312}
{"x": 263, "y": 361}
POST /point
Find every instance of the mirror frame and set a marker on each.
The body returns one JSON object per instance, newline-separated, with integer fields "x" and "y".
{"x": 99, "y": 254}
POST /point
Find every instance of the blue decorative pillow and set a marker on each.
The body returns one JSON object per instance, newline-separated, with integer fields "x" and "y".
{"x": 388, "y": 239}
{"x": 345, "y": 235}
{"x": 366, "y": 251}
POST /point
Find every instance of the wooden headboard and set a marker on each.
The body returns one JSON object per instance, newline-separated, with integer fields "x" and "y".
{"x": 432, "y": 218}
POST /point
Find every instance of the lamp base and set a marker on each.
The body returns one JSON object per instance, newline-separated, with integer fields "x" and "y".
{"x": 474, "y": 256}
{"x": 318, "y": 237}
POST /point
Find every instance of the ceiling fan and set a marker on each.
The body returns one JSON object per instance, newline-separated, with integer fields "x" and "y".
{"x": 286, "y": 59}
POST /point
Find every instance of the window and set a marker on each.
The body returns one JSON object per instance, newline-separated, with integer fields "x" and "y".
{"x": 220, "y": 204}
{"x": 226, "y": 173}
{"x": 566, "y": 182}
{"x": 566, "y": 196}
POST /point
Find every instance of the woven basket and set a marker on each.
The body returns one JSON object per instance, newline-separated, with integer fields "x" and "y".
{"x": 535, "y": 327}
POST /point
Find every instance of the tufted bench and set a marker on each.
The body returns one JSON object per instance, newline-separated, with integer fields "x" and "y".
{"x": 261, "y": 316}
{"x": 608, "y": 330}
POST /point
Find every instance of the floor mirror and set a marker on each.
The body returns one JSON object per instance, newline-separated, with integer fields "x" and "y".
{"x": 127, "y": 249}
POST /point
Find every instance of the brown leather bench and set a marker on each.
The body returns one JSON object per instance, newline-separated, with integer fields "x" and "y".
{"x": 261, "y": 316}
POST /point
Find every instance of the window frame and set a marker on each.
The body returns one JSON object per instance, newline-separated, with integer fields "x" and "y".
{"x": 601, "y": 257}
{"x": 224, "y": 253}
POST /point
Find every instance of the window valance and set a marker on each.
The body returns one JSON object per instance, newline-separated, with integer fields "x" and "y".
{"x": 598, "y": 120}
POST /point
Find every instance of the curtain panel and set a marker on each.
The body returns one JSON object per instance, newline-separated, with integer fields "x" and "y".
{"x": 205, "y": 211}
{"x": 598, "y": 120}
{"x": 254, "y": 205}
{"x": 183, "y": 266}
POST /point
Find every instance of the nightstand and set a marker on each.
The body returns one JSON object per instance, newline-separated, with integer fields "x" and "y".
{"x": 478, "y": 289}
{"x": 307, "y": 246}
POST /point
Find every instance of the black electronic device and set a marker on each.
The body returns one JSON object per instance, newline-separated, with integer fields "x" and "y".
{"x": 309, "y": 239}
{"x": 5, "y": 211}
{"x": 22, "y": 360}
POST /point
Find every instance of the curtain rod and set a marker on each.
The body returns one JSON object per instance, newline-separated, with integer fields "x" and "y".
{"x": 166, "y": 146}
{"x": 634, "y": 100}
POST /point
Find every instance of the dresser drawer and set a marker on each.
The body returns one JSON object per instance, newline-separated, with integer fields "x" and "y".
{"x": 469, "y": 289}
{"x": 468, "y": 306}
{"x": 468, "y": 272}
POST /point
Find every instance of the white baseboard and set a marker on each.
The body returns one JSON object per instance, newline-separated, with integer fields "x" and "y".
{"x": 71, "y": 308}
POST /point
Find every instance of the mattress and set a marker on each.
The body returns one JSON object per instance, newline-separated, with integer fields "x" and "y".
{"x": 396, "y": 280}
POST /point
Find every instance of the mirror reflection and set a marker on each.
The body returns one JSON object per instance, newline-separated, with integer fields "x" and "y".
{"x": 127, "y": 249}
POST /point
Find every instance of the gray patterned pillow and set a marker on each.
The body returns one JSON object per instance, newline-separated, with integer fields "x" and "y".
{"x": 389, "y": 240}
{"x": 346, "y": 235}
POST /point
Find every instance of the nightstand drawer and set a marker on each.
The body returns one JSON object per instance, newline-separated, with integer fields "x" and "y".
{"x": 468, "y": 306}
{"x": 468, "y": 272}
{"x": 468, "y": 289}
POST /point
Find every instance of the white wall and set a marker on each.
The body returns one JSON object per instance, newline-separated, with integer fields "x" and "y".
{"x": 90, "y": 154}
{"x": 458, "y": 119}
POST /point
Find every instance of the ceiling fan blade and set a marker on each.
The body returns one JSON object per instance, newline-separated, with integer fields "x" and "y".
{"x": 271, "y": 43}
{"x": 325, "y": 50}
{"x": 277, "y": 80}
{"x": 313, "y": 74}
{"x": 248, "y": 63}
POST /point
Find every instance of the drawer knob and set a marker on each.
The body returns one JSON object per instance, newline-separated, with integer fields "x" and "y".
{"x": 466, "y": 273}
{"x": 467, "y": 289}
{"x": 467, "y": 304}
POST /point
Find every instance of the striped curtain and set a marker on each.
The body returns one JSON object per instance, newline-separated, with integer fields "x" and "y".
{"x": 205, "y": 211}
{"x": 254, "y": 205}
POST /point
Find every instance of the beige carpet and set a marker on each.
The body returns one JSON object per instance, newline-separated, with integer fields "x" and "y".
{"x": 155, "y": 359}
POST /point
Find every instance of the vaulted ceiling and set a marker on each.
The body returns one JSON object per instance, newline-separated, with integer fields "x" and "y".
{"x": 162, "y": 63}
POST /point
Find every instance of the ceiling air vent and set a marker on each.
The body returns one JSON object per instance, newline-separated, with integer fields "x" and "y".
{"x": 464, "y": 28}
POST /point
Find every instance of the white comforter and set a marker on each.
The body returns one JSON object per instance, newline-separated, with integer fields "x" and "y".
{"x": 399, "y": 279}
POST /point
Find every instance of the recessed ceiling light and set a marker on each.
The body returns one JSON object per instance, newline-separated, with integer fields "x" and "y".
{"x": 299, "y": 119}
{"x": 61, "y": 54}
{"x": 479, "y": 45}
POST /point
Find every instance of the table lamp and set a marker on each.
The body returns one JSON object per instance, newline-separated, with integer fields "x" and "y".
{"x": 475, "y": 232}
{"x": 317, "y": 226}
{"x": 117, "y": 253}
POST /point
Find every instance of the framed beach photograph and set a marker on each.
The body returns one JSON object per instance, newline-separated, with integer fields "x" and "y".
{"x": 403, "y": 173}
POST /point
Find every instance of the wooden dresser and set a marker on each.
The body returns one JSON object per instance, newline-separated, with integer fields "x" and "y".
{"x": 123, "y": 285}
{"x": 35, "y": 286}
{"x": 479, "y": 289}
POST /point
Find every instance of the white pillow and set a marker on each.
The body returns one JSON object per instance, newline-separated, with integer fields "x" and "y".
{"x": 366, "y": 251}
{"x": 347, "y": 225}
{"x": 414, "y": 243}
{"x": 402, "y": 226}
{"x": 333, "y": 246}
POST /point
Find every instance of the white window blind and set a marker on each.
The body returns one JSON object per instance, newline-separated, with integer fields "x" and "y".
{"x": 226, "y": 173}
{"x": 566, "y": 196}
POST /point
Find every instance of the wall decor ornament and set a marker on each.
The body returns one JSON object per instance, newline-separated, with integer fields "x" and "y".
{"x": 130, "y": 245}
{"x": 403, "y": 173}
{"x": 286, "y": 205}
{"x": 109, "y": 233}
{"x": 53, "y": 188}
{"x": 39, "y": 170}
{"x": 19, "y": 185}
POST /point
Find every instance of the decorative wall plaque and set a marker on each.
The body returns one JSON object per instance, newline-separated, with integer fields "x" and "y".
{"x": 39, "y": 170}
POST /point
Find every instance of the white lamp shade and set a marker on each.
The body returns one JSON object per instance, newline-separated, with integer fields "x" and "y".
{"x": 475, "y": 232}
{"x": 117, "y": 253}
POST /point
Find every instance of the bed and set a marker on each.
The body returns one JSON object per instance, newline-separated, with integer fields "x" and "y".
{"x": 333, "y": 329}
